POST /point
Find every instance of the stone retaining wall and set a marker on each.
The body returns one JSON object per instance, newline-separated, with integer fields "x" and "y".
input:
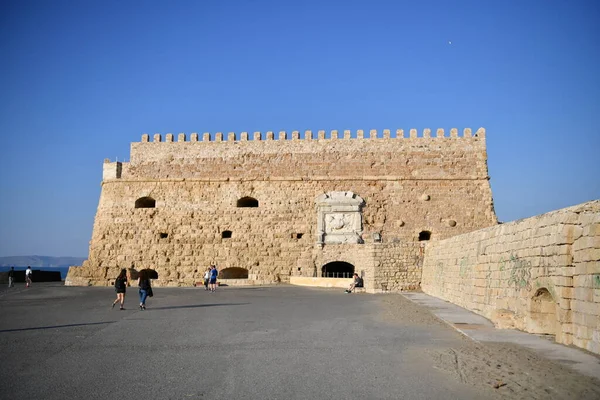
{"x": 540, "y": 274}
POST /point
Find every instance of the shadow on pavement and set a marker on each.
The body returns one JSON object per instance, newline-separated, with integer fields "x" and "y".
{"x": 55, "y": 326}
{"x": 197, "y": 306}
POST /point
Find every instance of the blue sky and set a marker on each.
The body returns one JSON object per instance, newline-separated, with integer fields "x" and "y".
{"x": 82, "y": 79}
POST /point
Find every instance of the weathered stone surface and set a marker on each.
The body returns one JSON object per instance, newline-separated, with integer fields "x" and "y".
{"x": 539, "y": 274}
{"x": 178, "y": 206}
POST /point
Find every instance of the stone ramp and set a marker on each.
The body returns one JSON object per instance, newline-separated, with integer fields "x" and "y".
{"x": 481, "y": 329}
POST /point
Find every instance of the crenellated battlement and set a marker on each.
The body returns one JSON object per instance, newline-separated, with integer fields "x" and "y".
{"x": 309, "y": 135}
{"x": 425, "y": 154}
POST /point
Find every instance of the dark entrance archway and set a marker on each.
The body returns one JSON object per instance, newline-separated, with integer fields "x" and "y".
{"x": 337, "y": 269}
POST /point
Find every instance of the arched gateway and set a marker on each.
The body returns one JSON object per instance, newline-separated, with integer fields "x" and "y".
{"x": 337, "y": 269}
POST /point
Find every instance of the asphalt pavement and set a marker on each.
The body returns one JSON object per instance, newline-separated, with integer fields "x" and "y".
{"x": 281, "y": 342}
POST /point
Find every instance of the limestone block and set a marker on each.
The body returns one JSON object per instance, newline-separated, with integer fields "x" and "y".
{"x": 585, "y": 320}
{"x": 562, "y": 281}
{"x": 580, "y": 342}
{"x": 589, "y": 218}
{"x": 565, "y": 292}
{"x": 583, "y": 332}
{"x": 584, "y": 268}
{"x": 585, "y": 307}
{"x": 565, "y": 304}
{"x": 587, "y": 242}
{"x": 583, "y": 281}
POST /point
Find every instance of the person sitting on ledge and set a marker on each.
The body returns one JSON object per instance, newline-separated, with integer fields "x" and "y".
{"x": 357, "y": 282}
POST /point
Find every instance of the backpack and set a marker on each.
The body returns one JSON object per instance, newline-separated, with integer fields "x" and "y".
{"x": 119, "y": 283}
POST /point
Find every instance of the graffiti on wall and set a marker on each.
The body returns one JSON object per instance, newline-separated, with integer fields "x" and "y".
{"x": 520, "y": 272}
{"x": 465, "y": 268}
{"x": 418, "y": 261}
{"x": 488, "y": 285}
{"x": 439, "y": 271}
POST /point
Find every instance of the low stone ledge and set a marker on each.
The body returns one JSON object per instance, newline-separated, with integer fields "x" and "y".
{"x": 343, "y": 283}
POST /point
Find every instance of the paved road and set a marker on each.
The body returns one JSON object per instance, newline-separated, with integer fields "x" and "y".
{"x": 280, "y": 342}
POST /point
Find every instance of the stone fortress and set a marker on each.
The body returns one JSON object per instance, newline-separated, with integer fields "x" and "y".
{"x": 404, "y": 210}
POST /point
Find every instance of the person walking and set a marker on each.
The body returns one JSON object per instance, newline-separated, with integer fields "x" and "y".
{"x": 206, "y": 278}
{"x": 11, "y": 277}
{"x": 121, "y": 288}
{"x": 145, "y": 288}
{"x": 28, "y": 273}
{"x": 213, "y": 278}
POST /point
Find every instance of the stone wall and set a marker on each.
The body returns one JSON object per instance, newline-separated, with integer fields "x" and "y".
{"x": 540, "y": 274}
{"x": 398, "y": 266}
{"x": 193, "y": 189}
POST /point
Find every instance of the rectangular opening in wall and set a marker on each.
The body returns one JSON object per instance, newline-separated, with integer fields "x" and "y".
{"x": 163, "y": 235}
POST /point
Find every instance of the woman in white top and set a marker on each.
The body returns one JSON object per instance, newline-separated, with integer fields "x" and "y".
{"x": 206, "y": 278}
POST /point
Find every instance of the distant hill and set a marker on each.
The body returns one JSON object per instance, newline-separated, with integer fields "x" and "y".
{"x": 40, "y": 261}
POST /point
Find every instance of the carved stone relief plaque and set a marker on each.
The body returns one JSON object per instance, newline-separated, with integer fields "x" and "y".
{"x": 339, "y": 218}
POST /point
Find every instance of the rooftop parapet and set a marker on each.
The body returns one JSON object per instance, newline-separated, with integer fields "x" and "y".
{"x": 321, "y": 135}
{"x": 111, "y": 170}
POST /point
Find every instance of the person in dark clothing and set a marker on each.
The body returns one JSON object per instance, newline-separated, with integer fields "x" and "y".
{"x": 145, "y": 288}
{"x": 213, "y": 277}
{"x": 357, "y": 282}
{"x": 121, "y": 288}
